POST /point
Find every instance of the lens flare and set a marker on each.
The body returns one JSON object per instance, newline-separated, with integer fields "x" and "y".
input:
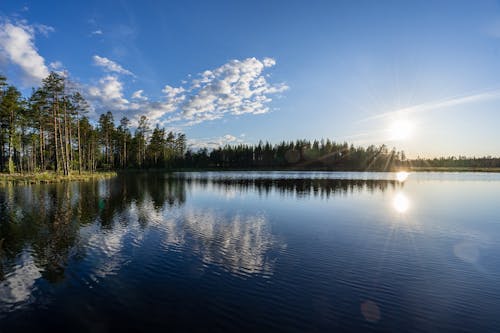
{"x": 371, "y": 311}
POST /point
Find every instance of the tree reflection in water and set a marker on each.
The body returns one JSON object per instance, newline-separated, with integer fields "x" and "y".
{"x": 45, "y": 229}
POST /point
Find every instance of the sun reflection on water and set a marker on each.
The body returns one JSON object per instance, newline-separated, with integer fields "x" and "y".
{"x": 401, "y": 203}
{"x": 401, "y": 176}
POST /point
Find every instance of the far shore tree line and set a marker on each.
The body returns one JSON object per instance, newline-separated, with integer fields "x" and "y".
{"x": 50, "y": 131}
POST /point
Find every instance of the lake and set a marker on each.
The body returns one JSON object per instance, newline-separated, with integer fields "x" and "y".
{"x": 253, "y": 251}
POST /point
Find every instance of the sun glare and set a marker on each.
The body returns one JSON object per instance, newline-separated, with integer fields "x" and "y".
{"x": 401, "y": 203}
{"x": 401, "y": 176}
{"x": 400, "y": 129}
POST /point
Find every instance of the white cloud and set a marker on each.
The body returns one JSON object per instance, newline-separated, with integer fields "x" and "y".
{"x": 56, "y": 65}
{"x": 156, "y": 110}
{"x": 172, "y": 92}
{"x": 139, "y": 95}
{"x": 44, "y": 29}
{"x": 17, "y": 47}
{"x": 110, "y": 65}
{"x": 211, "y": 143}
{"x": 58, "y": 68}
{"x": 108, "y": 95}
{"x": 236, "y": 88}
{"x": 97, "y": 32}
{"x": 230, "y": 138}
{"x": 269, "y": 62}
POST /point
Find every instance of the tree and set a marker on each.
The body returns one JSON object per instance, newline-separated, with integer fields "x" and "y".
{"x": 53, "y": 87}
{"x": 124, "y": 138}
{"x": 40, "y": 121}
{"x": 157, "y": 146}
{"x": 106, "y": 129}
{"x": 80, "y": 107}
{"x": 141, "y": 139}
{"x": 9, "y": 110}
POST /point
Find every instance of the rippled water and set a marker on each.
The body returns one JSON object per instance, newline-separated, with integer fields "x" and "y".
{"x": 277, "y": 251}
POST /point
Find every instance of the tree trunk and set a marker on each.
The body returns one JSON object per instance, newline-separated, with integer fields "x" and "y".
{"x": 124, "y": 152}
{"x": 11, "y": 143}
{"x": 79, "y": 147}
{"x": 66, "y": 143}
{"x": 1, "y": 152}
{"x": 71, "y": 157}
{"x": 62, "y": 145}
{"x": 56, "y": 150}
{"x": 21, "y": 155}
{"x": 42, "y": 165}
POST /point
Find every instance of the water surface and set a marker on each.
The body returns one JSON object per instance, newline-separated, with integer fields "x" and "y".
{"x": 253, "y": 251}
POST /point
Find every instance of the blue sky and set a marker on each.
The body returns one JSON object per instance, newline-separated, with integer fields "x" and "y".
{"x": 422, "y": 76}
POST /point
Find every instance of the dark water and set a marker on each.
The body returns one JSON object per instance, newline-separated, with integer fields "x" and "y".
{"x": 290, "y": 252}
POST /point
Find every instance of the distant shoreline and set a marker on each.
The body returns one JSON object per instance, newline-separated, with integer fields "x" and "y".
{"x": 410, "y": 169}
{"x": 453, "y": 169}
{"x": 51, "y": 177}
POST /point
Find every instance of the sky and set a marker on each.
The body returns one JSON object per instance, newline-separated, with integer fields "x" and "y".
{"x": 421, "y": 76}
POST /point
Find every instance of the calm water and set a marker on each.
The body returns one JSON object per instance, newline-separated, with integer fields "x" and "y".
{"x": 294, "y": 252}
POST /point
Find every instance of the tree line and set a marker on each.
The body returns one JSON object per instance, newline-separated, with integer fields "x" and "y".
{"x": 50, "y": 131}
{"x": 322, "y": 155}
{"x": 298, "y": 155}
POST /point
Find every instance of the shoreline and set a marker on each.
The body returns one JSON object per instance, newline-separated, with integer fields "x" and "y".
{"x": 407, "y": 169}
{"x": 410, "y": 169}
{"x": 51, "y": 177}
{"x": 454, "y": 169}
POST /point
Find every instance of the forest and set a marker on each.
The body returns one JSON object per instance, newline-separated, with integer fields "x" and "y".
{"x": 50, "y": 131}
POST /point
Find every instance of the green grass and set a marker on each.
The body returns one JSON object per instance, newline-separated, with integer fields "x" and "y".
{"x": 51, "y": 177}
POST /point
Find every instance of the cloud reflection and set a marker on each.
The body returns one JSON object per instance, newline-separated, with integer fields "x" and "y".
{"x": 18, "y": 286}
{"x": 106, "y": 249}
{"x": 467, "y": 251}
{"x": 240, "y": 243}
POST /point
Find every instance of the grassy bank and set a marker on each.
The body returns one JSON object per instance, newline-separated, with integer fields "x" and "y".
{"x": 51, "y": 177}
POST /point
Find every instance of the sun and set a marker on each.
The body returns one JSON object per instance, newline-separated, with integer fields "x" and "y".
{"x": 400, "y": 129}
